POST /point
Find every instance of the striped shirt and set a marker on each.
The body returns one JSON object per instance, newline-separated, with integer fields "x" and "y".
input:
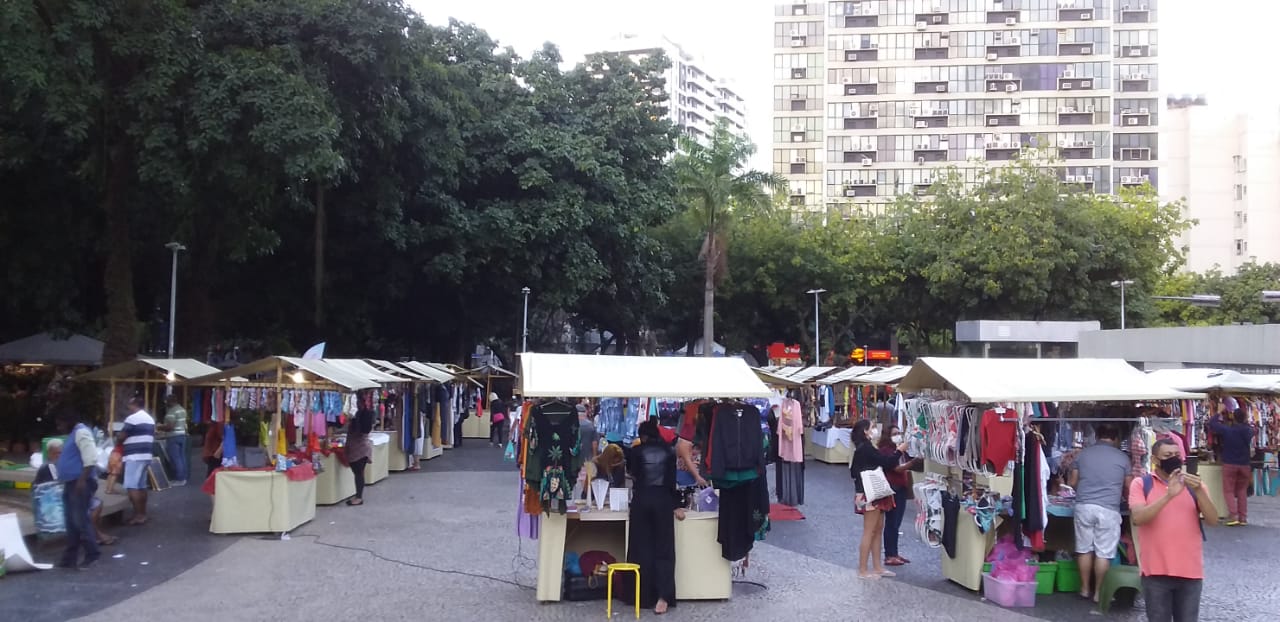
{"x": 139, "y": 434}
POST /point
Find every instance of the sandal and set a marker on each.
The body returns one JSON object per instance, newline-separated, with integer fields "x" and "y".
{"x": 894, "y": 561}
{"x": 887, "y": 573}
{"x": 108, "y": 541}
{"x": 137, "y": 521}
{"x": 355, "y": 501}
{"x": 868, "y": 576}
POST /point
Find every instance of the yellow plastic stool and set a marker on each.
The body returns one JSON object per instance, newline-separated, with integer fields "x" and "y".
{"x": 608, "y": 612}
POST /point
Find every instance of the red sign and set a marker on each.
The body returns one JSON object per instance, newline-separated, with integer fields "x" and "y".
{"x": 779, "y": 350}
{"x": 879, "y": 355}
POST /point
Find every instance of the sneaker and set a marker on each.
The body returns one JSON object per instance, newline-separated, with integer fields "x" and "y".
{"x": 1244, "y": 523}
{"x": 1233, "y": 523}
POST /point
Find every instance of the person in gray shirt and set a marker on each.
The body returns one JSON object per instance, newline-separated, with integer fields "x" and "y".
{"x": 1101, "y": 476}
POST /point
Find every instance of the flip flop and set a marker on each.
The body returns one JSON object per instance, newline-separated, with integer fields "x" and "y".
{"x": 355, "y": 501}
{"x": 868, "y": 576}
{"x": 888, "y": 573}
{"x": 893, "y": 561}
{"x": 108, "y": 541}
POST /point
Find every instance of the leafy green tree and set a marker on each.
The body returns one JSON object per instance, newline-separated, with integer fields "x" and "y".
{"x": 712, "y": 180}
{"x": 1240, "y": 297}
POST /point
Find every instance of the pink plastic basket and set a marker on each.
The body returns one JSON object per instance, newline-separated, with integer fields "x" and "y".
{"x": 1009, "y": 593}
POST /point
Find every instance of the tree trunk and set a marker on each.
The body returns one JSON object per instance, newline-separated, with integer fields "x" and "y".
{"x": 708, "y": 299}
{"x": 318, "y": 283}
{"x": 122, "y": 313}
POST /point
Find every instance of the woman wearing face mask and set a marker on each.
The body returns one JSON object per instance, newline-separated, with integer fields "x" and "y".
{"x": 867, "y": 458}
{"x": 900, "y": 478}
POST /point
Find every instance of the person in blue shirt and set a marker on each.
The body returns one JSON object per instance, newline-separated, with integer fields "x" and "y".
{"x": 1236, "y": 436}
{"x": 77, "y": 470}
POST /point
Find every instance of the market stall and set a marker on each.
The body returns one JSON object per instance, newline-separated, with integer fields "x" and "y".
{"x": 1227, "y": 391}
{"x": 402, "y": 420}
{"x": 451, "y": 397}
{"x": 989, "y": 430}
{"x": 702, "y": 572}
{"x": 316, "y": 396}
{"x": 390, "y": 401}
{"x": 153, "y": 376}
{"x": 829, "y": 440}
{"x": 493, "y": 379}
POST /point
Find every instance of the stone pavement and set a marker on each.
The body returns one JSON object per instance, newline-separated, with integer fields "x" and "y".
{"x": 441, "y": 542}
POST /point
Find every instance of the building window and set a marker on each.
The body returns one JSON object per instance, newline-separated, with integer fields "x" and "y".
{"x": 1241, "y": 163}
{"x": 1240, "y": 192}
{"x": 1240, "y": 247}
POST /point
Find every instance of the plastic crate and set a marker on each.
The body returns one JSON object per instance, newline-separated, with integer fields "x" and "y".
{"x": 1009, "y": 593}
{"x": 1068, "y": 576}
{"x": 1046, "y": 577}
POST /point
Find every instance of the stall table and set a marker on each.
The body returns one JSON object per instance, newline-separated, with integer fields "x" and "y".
{"x": 397, "y": 459}
{"x": 260, "y": 502}
{"x": 701, "y": 573}
{"x": 830, "y": 446}
{"x": 475, "y": 427}
{"x": 335, "y": 483}
{"x": 971, "y": 545}
{"x": 376, "y": 470}
{"x": 1211, "y": 480}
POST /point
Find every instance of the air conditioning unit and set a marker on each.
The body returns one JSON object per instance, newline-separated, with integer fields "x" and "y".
{"x": 990, "y": 144}
{"x": 1142, "y": 75}
{"x": 1091, "y": 143}
{"x": 1063, "y": 109}
{"x": 1035, "y": 32}
{"x": 1086, "y": 84}
{"x": 1068, "y": 73}
{"x": 921, "y": 25}
{"x": 1010, "y": 21}
{"x": 1144, "y": 111}
{"x": 1088, "y": 178}
{"x": 1133, "y": 120}
{"x": 797, "y": 43}
{"x": 1016, "y": 101}
{"x": 1066, "y": 4}
{"x": 1006, "y": 76}
{"x": 797, "y": 192}
{"x": 1010, "y": 88}
{"x": 874, "y": 108}
{"x": 795, "y": 32}
{"x": 1071, "y": 179}
{"x": 991, "y": 57}
{"x": 851, "y": 57}
{"x": 1062, "y": 144}
{"x": 1084, "y": 17}
{"x": 924, "y": 145}
{"x": 1135, "y": 52}
{"x": 920, "y": 160}
{"x": 1066, "y": 86}
{"x": 941, "y": 88}
{"x": 1090, "y": 108}
{"x": 867, "y": 162}
{"x": 937, "y": 8}
{"x": 798, "y": 159}
{"x": 797, "y": 138}
{"x": 1128, "y": 179}
{"x": 993, "y": 121}
{"x": 922, "y": 124}
{"x": 1086, "y": 50}
{"x": 1014, "y": 41}
{"x": 937, "y": 19}
{"x": 993, "y": 87}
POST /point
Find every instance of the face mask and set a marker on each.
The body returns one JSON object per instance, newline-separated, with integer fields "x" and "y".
{"x": 897, "y": 439}
{"x": 1171, "y": 464}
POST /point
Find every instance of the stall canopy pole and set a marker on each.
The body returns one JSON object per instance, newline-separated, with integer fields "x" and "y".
{"x": 275, "y": 419}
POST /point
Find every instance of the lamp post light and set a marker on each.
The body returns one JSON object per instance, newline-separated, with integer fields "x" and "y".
{"x": 817, "y": 327}
{"x": 176, "y": 248}
{"x": 524, "y": 333}
{"x": 1122, "y": 285}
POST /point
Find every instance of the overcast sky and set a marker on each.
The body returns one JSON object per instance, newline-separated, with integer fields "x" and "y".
{"x": 1201, "y": 51}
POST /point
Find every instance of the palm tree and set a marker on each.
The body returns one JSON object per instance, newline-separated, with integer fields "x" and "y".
{"x": 712, "y": 180}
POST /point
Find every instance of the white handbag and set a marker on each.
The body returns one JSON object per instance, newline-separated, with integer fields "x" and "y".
{"x": 875, "y": 485}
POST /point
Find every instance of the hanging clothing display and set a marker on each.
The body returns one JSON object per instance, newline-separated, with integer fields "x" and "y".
{"x": 789, "y": 470}
{"x": 551, "y": 454}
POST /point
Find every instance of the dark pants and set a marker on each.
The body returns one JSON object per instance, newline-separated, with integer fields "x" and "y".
{"x": 176, "y": 448}
{"x": 357, "y": 470}
{"x": 457, "y": 432}
{"x": 653, "y": 545}
{"x": 498, "y": 433}
{"x": 893, "y": 523}
{"x": 80, "y": 532}
{"x": 212, "y": 464}
{"x": 1172, "y": 599}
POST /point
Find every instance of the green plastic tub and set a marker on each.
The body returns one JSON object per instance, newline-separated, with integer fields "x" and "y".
{"x": 1068, "y": 576}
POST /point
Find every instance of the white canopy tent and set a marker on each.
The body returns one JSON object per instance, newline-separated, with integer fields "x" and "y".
{"x": 881, "y": 377}
{"x": 1206, "y": 379}
{"x": 579, "y": 375}
{"x": 775, "y": 380}
{"x": 1039, "y": 380}
{"x": 361, "y": 369}
{"x": 1270, "y": 380}
{"x": 428, "y": 371}
{"x": 847, "y": 374}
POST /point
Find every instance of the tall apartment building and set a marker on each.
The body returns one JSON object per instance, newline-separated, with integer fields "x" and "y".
{"x": 697, "y": 96}
{"x": 873, "y": 97}
{"x": 1225, "y": 165}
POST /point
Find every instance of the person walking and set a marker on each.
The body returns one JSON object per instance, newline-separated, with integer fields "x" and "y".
{"x": 137, "y": 436}
{"x": 359, "y": 450}
{"x": 1165, "y": 508}
{"x": 498, "y": 420}
{"x": 867, "y": 458}
{"x": 1100, "y": 478}
{"x": 900, "y": 479}
{"x": 1236, "y": 436}
{"x": 77, "y": 470}
{"x": 48, "y": 472}
{"x": 652, "y": 533}
{"x": 211, "y": 452}
{"x": 174, "y": 433}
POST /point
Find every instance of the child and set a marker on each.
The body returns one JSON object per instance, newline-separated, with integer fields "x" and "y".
{"x": 115, "y": 465}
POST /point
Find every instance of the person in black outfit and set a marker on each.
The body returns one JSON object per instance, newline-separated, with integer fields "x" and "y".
{"x": 866, "y": 457}
{"x": 498, "y": 416}
{"x": 652, "y": 542}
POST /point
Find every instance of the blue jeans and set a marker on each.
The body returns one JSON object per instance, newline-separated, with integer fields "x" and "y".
{"x": 80, "y": 533}
{"x": 1172, "y": 599}
{"x": 893, "y": 522}
{"x": 176, "y": 448}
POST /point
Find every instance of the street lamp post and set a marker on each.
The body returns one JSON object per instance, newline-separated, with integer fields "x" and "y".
{"x": 817, "y": 326}
{"x": 524, "y": 333}
{"x": 176, "y": 248}
{"x": 1122, "y": 285}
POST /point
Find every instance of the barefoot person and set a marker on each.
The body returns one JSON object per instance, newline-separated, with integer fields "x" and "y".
{"x": 866, "y": 458}
{"x": 137, "y": 437}
{"x": 652, "y": 536}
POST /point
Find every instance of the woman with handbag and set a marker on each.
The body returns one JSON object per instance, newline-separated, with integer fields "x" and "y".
{"x": 900, "y": 479}
{"x": 874, "y": 496}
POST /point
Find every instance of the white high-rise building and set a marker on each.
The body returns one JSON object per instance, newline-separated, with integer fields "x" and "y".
{"x": 1225, "y": 165}
{"x": 697, "y": 95}
{"x": 872, "y": 98}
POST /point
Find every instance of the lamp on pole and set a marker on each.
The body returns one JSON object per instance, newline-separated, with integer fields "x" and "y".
{"x": 176, "y": 248}
{"x": 1122, "y": 285}
{"x": 524, "y": 333}
{"x": 817, "y": 349}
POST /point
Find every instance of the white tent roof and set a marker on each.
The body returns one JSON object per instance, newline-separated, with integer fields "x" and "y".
{"x": 395, "y": 370}
{"x": 847, "y": 374}
{"x": 430, "y": 371}
{"x": 181, "y": 369}
{"x": 775, "y": 380}
{"x": 359, "y": 368}
{"x": 270, "y": 364}
{"x": 888, "y": 375}
{"x": 809, "y": 373}
{"x": 1204, "y": 379}
{"x": 1039, "y": 380}
{"x": 579, "y": 375}
{"x": 50, "y": 350}
{"x": 1271, "y": 380}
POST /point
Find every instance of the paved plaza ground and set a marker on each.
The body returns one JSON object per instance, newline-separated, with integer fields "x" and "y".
{"x": 441, "y": 543}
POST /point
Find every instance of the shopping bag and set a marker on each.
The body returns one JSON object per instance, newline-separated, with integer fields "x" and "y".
{"x": 875, "y": 485}
{"x": 707, "y": 500}
{"x": 47, "y": 506}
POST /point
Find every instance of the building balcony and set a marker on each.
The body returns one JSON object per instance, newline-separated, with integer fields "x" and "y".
{"x": 861, "y": 55}
{"x": 859, "y": 188}
{"x": 1133, "y": 181}
{"x": 935, "y": 17}
{"x": 862, "y": 18}
{"x": 1070, "y": 115}
{"x": 799, "y": 73}
{"x": 930, "y": 119}
{"x": 1136, "y": 83}
{"x": 1003, "y": 83}
{"x": 1135, "y": 118}
{"x": 1079, "y": 150}
{"x": 1072, "y": 83}
{"x": 1004, "y": 120}
{"x": 864, "y": 155}
{"x": 1068, "y": 12}
{"x": 860, "y": 88}
{"x": 998, "y": 151}
{"x": 1010, "y": 47}
{"x": 930, "y": 49}
{"x": 1076, "y": 49}
{"x": 1135, "y": 51}
{"x": 931, "y": 86}
{"x": 861, "y": 122}
{"x": 1134, "y": 154}
{"x": 1135, "y": 13}
{"x": 1084, "y": 181}
{"x": 1008, "y": 18}
{"x": 926, "y": 153}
